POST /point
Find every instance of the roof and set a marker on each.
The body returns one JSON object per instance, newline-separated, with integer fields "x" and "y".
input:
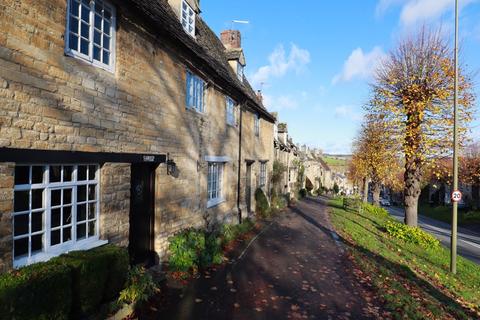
{"x": 206, "y": 47}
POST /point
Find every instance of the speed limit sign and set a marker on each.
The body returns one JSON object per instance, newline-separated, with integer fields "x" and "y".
{"x": 456, "y": 196}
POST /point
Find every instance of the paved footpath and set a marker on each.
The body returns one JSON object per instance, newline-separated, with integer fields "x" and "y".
{"x": 295, "y": 269}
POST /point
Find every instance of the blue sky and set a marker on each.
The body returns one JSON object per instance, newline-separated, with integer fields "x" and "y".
{"x": 313, "y": 59}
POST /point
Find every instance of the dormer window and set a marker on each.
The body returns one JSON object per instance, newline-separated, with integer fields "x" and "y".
{"x": 240, "y": 68}
{"x": 188, "y": 18}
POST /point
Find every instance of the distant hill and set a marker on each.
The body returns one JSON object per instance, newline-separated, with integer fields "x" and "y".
{"x": 338, "y": 162}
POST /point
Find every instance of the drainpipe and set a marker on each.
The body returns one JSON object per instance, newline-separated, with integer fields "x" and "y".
{"x": 239, "y": 163}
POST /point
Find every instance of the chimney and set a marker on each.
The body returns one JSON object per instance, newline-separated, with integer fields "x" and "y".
{"x": 231, "y": 39}
{"x": 259, "y": 96}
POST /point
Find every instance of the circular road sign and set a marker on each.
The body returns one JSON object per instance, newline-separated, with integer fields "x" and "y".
{"x": 456, "y": 196}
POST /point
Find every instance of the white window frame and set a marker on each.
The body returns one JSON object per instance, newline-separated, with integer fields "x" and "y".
{"x": 240, "y": 71}
{"x": 256, "y": 125}
{"x": 49, "y": 251}
{"x": 231, "y": 111}
{"x": 195, "y": 92}
{"x": 215, "y": 181}
{"x": 89, "y": 58}
{"x": 186, "y": 12}
{"x": 262, "y": 181}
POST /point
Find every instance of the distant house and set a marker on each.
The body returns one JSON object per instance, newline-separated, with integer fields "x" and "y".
{"x": 122, "y": 122}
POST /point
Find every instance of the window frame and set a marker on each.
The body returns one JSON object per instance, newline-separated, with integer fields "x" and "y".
{"x": 262, "y": 179}
{"x": 89, "y": 58}
{"x": 256, "y": 125}
{"x": 195, "y": 81}
{"x": 231, "y": 111}
{"x": 218, "y": 183}
{"x": 48, "y": 250}
{"x": 189, "y": 11}
{"x": 240, "y": 71}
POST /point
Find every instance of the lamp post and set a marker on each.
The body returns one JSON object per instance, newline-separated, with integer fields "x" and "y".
{"x": 453, "y": 241}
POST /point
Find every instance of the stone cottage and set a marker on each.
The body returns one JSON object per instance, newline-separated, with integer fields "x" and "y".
{"x": 121, "y": 122}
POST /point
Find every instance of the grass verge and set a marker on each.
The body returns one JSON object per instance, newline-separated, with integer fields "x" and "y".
{"x": 444, "y": 213}
{"x": 414, "y": 282}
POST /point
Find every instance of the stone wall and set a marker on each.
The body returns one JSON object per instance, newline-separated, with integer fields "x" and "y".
{"x": 6, "y": 207}
{"x": 115, "y": 203}
{"x": 50, "y": 101}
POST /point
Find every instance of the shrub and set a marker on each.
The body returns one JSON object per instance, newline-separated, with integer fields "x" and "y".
{"x": 183, "y": 250}
{"x": 92, "y": 276}
{"x": 411, "y": 234}
{"x": 193, "y": 249}
{"x": 139, "y": 287}
{"x": 372, "y": 209}
{"x": 262, "y": 205}
{"x": 336, "y": 188}
{"x": 39, "y": 291}
{"x": 279, "y": 202}
{"x": 302, "y": 193}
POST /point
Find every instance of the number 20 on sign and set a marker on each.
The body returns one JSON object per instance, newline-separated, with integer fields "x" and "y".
{"x": 456, "y": 196}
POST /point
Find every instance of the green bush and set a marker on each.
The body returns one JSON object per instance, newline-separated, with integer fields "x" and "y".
{"x": 39, "y": 291}
{"x": 411, "y": 234}
{"x": 184, "y": 248}
{"x": 139, "y": 287}
{"x": 262, "y": 205}
{"x": 302, "y": 193}
{"x": 193, "y": 249}
{"x": 372, "y": 209}
{"x": 279, "y": 202}
{"x": 91, "y": 272}
{"x": 213, "y": 253}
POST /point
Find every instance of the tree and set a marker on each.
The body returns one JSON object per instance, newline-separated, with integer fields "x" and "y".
{"x": 413, "y": 94}
{"x": 374, "y": 157}
{"x": 470, "y": 170}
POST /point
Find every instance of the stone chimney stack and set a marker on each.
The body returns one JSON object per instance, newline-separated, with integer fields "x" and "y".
{"x": 231, "y": 39}
{"x": 259, "y": 95}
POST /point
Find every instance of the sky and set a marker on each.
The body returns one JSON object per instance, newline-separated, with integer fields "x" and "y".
{"x": 313, "y": 59}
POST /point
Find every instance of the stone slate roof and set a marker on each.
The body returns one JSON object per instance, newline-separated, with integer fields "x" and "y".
{"x": 206, "y": 47}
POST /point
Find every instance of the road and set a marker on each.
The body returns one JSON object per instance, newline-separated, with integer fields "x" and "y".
{"x": 468, "y": 241}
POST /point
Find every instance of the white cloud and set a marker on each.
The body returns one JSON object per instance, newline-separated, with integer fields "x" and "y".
{"x": 360, "y": 64}
{"x": 284, "y": 102}
{"x": 280, "y": 64}
{"x": 415, "y": 11}
{"x": 383, "y": 6}
{"x": 348, "y": 112}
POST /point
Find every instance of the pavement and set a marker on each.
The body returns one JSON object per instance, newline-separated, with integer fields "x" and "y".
{"x": 295, "y": 268}
{"x": 468, "y": 242}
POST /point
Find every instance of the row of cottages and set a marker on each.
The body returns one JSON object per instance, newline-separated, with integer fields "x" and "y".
{"x": 121, "y": 122}
{"x": 287, "y": 155}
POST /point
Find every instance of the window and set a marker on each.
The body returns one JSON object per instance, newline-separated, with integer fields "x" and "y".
{"x": 257, "y": 125}
{"x": 188, "y": 18}
{"x": 91, "y": 32}
{"x": 195, "y": 92}
{"x": 231, "y": 112}
{"x": 214, "y": 181}
{"x": 240, "y": 71}
{"x": 55, "y": 210}
{"x": 263, "y": 174}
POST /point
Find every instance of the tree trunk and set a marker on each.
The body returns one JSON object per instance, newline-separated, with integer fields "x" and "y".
{"x": 412, "y": 191}
{"x": 365, "y": 190}
{"x": 376, "y": 193}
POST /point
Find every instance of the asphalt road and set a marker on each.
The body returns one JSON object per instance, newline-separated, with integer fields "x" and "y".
{"x": 468, "y": 241}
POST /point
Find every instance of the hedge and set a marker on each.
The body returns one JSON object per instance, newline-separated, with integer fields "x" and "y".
{"x": 40, "y": 291}
{"x": 70, "y": 286}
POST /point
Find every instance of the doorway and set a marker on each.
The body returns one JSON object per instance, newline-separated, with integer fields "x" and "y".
{"x": 142, "y": 213}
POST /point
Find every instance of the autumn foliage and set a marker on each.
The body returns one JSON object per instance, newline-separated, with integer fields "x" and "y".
{"x": 413, "y": 94}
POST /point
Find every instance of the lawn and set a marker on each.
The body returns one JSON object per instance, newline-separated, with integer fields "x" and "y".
{"x": 444, "y": 213}
{"x": 414, "y": 282}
